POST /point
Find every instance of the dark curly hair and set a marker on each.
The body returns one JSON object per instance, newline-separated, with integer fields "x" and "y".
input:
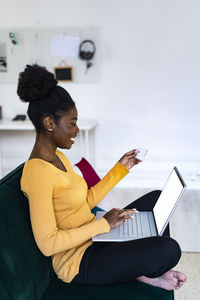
{"x": 38, "y": 86}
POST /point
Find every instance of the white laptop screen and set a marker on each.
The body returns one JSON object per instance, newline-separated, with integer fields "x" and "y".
{"x": 168, "y": 199}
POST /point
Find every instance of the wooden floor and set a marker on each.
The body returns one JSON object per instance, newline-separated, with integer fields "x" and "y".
{"x": 190, "y": 265}
{"x": 185, "y": 223}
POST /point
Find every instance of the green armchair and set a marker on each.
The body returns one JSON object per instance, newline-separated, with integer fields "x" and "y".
{"x": 26, "y": 274}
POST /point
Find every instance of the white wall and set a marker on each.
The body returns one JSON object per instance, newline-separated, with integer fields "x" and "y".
{"x": 148, "y": 93}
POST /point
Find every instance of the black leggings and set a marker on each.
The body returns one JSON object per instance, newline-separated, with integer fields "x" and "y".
{"x": 114, "y": 262}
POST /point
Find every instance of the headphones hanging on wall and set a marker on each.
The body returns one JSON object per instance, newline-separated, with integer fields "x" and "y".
{"x": 87, "y": 50}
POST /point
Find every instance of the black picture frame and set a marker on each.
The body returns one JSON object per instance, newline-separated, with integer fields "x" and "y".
{"x": 63, "y": 73}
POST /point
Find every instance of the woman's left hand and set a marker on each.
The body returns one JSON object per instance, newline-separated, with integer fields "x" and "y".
{"x": 129, "y": 159}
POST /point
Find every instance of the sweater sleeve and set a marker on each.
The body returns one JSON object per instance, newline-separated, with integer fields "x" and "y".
{"x": 99, "y": 191}
{"x": 37, "y": 185}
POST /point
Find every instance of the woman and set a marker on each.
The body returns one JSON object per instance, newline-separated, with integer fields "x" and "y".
{"x": 60, "y": 203}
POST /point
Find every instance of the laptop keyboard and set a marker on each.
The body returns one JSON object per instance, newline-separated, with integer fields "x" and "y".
{"x": 131, "y": 226}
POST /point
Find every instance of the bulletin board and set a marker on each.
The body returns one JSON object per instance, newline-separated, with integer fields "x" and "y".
{"x": 49, "y": 47}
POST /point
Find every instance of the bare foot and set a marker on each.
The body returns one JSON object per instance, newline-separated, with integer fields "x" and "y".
{"x": 168, "y": 281}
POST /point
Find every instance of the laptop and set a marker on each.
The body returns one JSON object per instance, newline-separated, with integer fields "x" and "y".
{"x": 148, "y": 223}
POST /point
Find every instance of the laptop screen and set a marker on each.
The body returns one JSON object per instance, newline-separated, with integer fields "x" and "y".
{"x": 168, "y": 200}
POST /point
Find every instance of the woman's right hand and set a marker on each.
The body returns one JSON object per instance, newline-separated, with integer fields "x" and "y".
{"x": 116, "y": 216}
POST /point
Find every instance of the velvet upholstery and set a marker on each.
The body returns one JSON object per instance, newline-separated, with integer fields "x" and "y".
{"x": 26, "y": 274}
{"x": 89, "y": 174}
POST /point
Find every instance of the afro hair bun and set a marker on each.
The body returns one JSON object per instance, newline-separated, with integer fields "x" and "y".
{"x": 35, "y": 83}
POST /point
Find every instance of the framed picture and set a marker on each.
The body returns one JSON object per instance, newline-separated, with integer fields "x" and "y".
{"x": 63, "y": 73}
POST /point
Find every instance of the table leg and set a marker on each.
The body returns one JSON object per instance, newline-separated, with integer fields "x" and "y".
{"x": 1, "y": 156}
{"x": 87, "y": 146}
{"x": 82, "y": 142}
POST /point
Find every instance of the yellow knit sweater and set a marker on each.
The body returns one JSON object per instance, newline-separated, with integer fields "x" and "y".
{"x": 60, "y": 211}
